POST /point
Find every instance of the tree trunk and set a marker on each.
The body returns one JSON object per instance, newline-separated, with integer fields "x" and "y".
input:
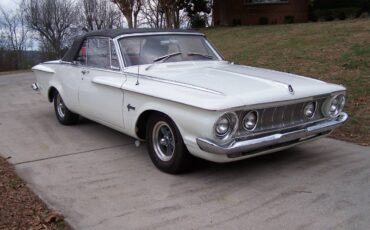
{"x": 129, "y": 21}
{"x": 135, "y": 20}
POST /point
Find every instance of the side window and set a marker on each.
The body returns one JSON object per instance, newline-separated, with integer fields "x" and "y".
{"x": 98, "y": 53}
{"x": 81, "y": 58}
{"x": 114, "y": 57}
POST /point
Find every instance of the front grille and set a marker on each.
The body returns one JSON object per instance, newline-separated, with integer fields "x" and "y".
{"x": 280, "y": 117}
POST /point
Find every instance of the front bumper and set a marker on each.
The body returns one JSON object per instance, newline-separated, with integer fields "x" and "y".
{"x": 274, "y": 140}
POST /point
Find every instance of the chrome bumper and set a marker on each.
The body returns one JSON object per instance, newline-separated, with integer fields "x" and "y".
{"x": 274, "y": 139}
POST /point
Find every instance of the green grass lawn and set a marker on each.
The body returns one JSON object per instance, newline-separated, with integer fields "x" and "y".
{"x": 336, "y": 52}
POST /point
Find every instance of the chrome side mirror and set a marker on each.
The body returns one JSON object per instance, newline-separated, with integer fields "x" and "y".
{"x": 35, "y": 87}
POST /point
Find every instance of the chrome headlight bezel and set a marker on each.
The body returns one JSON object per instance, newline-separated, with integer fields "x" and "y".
{"x": 334, "y": 105}
{"x": 233, "y": 120}
{"x": 246, "y": 116}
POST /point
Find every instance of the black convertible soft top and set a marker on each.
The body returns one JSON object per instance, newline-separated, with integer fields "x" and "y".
{"x": 112, "y": 33}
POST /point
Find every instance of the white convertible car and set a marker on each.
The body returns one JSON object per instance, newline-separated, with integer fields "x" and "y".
{"x": 173, "y": 89}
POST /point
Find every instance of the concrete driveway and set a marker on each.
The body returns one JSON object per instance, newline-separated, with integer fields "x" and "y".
{"x": 100, "y": 180}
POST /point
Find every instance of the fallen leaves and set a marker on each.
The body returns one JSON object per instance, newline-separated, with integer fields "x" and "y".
{"x": 20, "y": 208}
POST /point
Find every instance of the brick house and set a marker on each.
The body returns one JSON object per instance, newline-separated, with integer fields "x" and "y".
{"x": 254, "y": 12}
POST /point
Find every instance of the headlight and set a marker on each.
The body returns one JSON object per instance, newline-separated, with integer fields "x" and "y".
{"x": 310, "y": 109}
{"x": 223, "y": 126}
{"x": 226, "y": 126}
{"x": 250, "y": 120}
{"x": 334, "y": 106}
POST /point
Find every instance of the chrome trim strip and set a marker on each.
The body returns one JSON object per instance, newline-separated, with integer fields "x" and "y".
{"x": 100, "y": 69}
{"x": 157, "y": 33}
{"x": 277, "y": 138}
{"x": 177, "y": 83}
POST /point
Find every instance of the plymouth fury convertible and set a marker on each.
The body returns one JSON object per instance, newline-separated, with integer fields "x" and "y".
{"x": 174, "y": 90}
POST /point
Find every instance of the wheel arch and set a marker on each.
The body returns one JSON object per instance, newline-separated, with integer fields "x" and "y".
{"x": 51, "y": 92}
{"x": 142, "y": 121}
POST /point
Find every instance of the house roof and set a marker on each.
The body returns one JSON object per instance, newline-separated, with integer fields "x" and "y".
{"x": 113, "y": 33}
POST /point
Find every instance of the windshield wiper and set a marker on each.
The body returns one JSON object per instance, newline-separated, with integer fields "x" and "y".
{"x": 166, "y": 57}
{"x": 162, "y": 59}
{"x": 202, "y": 55}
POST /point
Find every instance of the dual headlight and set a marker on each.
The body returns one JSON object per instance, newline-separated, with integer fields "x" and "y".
{"x": 334, "y": 106}
{"x": 228, "y": 124}
{"x": 331, "y": 108}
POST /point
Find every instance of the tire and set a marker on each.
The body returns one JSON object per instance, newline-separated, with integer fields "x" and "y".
{"x": 63, "y": 114}
{"x": 165, "y": 145}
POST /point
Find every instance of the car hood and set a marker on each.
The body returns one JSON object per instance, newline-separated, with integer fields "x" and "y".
{"x": 239, "y": 85}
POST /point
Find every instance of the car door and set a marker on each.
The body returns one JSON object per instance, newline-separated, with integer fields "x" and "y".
{"x": 100, "y": 90}
{"x": 70, "y": 74}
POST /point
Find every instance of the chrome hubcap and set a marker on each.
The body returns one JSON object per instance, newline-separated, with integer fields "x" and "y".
{"x": 61, "y": 109}
{"x": 163, "y": 141}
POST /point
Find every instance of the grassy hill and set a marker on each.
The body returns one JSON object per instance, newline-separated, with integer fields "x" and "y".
{"x": 337, "y": 52}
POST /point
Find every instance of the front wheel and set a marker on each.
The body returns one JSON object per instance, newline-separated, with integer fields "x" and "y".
{"x": 166, "y": 146}
{"x": 63, "y": 114}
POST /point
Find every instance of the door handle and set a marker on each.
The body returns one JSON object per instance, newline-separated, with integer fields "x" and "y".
{"x": 84, "y": 72}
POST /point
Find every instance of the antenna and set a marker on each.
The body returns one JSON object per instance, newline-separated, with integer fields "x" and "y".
{"x": 138, "y": 66}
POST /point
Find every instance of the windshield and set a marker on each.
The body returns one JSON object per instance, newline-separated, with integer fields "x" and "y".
{"x": 141, "y": 50}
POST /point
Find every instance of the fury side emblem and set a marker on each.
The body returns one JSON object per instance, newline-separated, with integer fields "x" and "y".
{"x": 291, "y": 90}
{"x": 130, "y": 107}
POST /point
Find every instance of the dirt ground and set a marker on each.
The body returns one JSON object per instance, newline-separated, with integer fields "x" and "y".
{"x": 20, "y": 208}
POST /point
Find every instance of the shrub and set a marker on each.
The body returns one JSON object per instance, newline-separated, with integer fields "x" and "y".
{"x": 197, "y": 21}
{"x": 237, "y": 22}
{"x": 339, "y": 13}
{"x": 289, "y": 19}
{"x": 264, "y": 20}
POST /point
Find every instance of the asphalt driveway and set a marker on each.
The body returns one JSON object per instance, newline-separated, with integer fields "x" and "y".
{"x": 100, "y": 180}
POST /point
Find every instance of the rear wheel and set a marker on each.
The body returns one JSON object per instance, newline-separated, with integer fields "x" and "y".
{"x": 166, "y": 146}
{"x": 63, "y": 114}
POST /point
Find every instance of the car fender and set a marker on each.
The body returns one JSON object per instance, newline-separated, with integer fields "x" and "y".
{"x": 189, "y": 120}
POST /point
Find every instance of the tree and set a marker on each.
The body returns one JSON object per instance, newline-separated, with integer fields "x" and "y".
{"x": 52, "y": 20}
{"x": 197, "y": 11}
{"x": 99, "y": 14}
{"x": 153, "y": 14}
{"x": 15, "y": 34}
{"x": 172, "y": 11}
{"x": 130, "y": 10}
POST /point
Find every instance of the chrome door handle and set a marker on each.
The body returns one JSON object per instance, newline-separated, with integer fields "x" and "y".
{"x": 84, "y": 72}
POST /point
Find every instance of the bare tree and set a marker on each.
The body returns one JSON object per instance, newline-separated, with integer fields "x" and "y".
{"x": 99, "y": 14}
{"x": 15, "y": 33}
{"x": 172, "y": 11}
{"x": 3, "y": 44}
{"x": 130, "y": 9}
{"x": 153, "y": 14}
{"x": 52, "y": 20}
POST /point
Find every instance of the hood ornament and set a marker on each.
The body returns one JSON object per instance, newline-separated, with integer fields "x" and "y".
{"x": 291, "y": 90}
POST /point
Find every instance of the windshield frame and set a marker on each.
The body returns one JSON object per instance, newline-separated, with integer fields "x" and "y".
{"x": 207, "y": 42}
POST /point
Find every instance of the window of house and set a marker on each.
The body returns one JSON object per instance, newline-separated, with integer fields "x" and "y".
{"x": 257, "y": 2}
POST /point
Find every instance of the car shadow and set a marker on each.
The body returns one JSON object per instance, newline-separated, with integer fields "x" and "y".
{"x": 287, "y": 156}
